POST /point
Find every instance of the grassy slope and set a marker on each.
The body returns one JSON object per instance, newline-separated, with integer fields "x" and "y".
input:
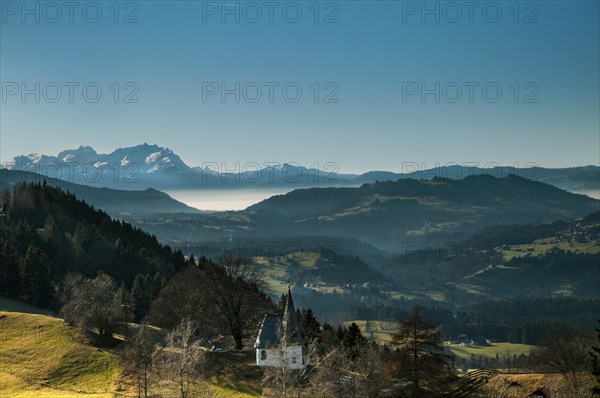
{"x": 235, "y": 375}
{"x": 41, "y": 356}
{"x": 562, "y": 241}
{"x": 276, "y": 271}
{"x": 502, "y": 349}
{"x": 11, "y": 305}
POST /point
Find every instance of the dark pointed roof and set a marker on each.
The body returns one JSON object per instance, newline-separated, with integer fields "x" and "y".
{"x": 276, "y": 328}
{"x": 290, "y": 326}
{"x": 267, "y": 336}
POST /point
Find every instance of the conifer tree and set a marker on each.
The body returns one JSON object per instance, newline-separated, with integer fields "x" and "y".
{"x": 34, "y": 276}
{"x": 310, "y": 327}
{"x": 9, "y": 277}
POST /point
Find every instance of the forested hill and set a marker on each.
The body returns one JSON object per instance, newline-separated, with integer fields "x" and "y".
{"x": 481, "y": 190}
{"x": 499, "y": 235}
{"x": 46, "y": 233}
{"x": 387, "y": 214}
{"x": 117, "y": 202}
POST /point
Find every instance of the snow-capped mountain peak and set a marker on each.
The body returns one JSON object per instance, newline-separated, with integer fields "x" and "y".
{"x": 143, "y": 159}
{"x": 153, "y": 157}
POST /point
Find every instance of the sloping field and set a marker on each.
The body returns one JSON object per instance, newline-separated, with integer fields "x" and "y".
{"x": 501, "y": 349}
{"x": 42, "y": 356}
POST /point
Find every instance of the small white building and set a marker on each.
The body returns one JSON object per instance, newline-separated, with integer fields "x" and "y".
{"x": 279, "y": 341}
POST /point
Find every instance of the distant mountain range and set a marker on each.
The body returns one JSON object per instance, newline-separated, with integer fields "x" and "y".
{"x": 115, "y": 202}
{"x": 151, "y": 166}
{"x": 392, "y": 216}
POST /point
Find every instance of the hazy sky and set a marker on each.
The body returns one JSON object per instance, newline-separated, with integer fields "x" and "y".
{"x": 372, "y": 58}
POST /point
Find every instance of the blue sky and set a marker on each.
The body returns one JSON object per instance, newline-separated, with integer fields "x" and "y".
{"x": 373, "y": 54}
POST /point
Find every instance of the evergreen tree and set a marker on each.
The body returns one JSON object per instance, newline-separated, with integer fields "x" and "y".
{"x": 9, "y": 276}
{"x": 144, "y": 290}
{"x": 34, "y": 276}
{"x": 191, "y": 261}
{"x": 281, "y": 304}
{"x": 4, "y": 199}
{"x": 310, "y": 327}
{"x": 329, "y": 338}
{"x": 159, "y": 282}
{"x": 353, "y": 340}
{"x": 141, "y": 292}
{"x": 340, "y": 332}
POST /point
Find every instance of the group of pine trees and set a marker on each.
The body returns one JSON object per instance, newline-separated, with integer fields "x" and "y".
{"x": 25, "y": 276}
{"x": 46, "y": 233}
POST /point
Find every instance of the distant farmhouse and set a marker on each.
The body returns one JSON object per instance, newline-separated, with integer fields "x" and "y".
{"x": 279, "y": 342}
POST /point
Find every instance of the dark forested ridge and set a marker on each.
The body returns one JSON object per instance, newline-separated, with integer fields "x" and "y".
{"x": 117, "y": 202}
{"x": 46, "y": 233}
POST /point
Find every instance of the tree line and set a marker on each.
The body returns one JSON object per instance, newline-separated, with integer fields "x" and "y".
{"x": 524, "y": 320}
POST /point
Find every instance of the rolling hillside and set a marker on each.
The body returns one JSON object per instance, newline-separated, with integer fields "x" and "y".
{"x": 394, "y": 214}
{"x": 558, "y": 258}
{"x": 390, "y": 215}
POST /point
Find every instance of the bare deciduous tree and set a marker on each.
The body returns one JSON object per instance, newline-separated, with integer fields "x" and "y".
{"x": 183, "y": 297}
{"x": 183, "y": 358}
{"x": 420, "y": 354}
{"x": 331, "y": 374}
{"x": 341, "y": 373}
{"x": 219, "y": 298}
{"x": 138, "y": 360}
{"x": 235, "y": 289}
{"x": 93, "y": 304}
{"x": 370, "y": 368}
{"x": 564, "y": 350}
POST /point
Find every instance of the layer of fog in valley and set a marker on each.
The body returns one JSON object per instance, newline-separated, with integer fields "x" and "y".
{"x": 224, "y": 199}
{"x": 591, "y": 193}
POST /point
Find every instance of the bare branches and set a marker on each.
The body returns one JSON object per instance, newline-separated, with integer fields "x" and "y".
{"x": 183, "y": 358}
{"x": 564, "y": 351}
{"x": 93, "y": 303}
